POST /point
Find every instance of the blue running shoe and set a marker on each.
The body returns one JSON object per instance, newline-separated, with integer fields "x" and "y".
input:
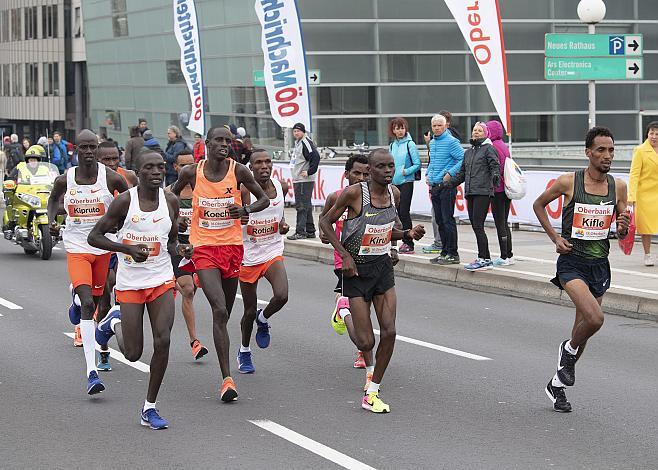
{"x": 262, "y": 332}
{"x": 103, "y": 364}
{"x": 94, "y": 383}
{"x": 153, "y": 420}
{"x": 74, "y": 310}
{"x": 103, "y": 330}
{"x": 245, "y": 365}
{"x": 479, "y": 265}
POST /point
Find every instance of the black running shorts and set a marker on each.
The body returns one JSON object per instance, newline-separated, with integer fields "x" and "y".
{"x": 593, "y": 272}
{"x": 339, "y": 285}
{"x": 374, "y": 279}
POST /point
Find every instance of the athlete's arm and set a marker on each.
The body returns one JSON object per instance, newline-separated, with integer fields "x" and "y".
{"x": 246, "y": 178}
{"x": 115, "y": 181}
{"x": 246, "y": 200}
{"x": 172, "y": 242}
{"x": 59, "y": 188}
{"x": 560, "y": 188}
{"x": 114, "y": 217}
{"x": 284, "y": 187}
{"x": 132, "y": 178}
{"x": 349, "y": 198}
{"x": 623, "y": 216}
{"x": 328, "y": 204}
{"x": 186, "y": 176}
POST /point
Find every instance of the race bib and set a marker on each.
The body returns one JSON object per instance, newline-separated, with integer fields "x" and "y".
{"x": 214, "y": 213}
{"x": 187, "y": 215}
{"x": 376, "y": 240}
{"x": 85, "y": 210}
{"x": 591, "y": 222}
{"x": 262, "y": 230}
{"x": 151, "y": 240}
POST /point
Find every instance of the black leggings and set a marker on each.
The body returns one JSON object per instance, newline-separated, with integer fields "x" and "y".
{"x": 406, "y": 193}
{"x": 478, "y": 207}
{"x": 500, "y": 206}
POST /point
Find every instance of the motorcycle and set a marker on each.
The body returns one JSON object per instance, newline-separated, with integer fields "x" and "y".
{"x": 26, "y": 220}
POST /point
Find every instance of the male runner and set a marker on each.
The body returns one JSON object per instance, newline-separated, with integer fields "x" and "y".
{"x": 184, "y": 279}
{"x": 147, "y": 237}
{"x": 87, "y": 191}
{"x": 356, "y": 171}
{"x": 368, "y": 277}
{"x": 263, "y": 257}
{"x": 591, "y": 199}
{"x": 108, "y": 155}
{"x": 216, "y": 234}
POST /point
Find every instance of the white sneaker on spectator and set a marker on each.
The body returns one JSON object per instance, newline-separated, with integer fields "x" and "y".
{"x": 648, "y": 260}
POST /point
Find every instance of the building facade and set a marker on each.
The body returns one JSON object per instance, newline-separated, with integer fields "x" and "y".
{"x": 376, "y": 59}
{"x": 42, "y": 67}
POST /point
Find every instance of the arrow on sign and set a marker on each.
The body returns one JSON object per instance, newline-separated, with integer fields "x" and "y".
{"x": 634, "y": 45}
{"x": 314, "y": 77}
{"x": 635, "y": 69}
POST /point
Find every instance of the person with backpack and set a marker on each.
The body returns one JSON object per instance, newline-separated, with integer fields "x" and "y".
{"x": 59, "y": 155}
{"x": 500, "y": 204}
{"x": 13, "y": 152}
{"x": 407, "y": 170}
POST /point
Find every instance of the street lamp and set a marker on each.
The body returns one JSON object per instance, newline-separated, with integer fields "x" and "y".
{"x": 591, "y": 12}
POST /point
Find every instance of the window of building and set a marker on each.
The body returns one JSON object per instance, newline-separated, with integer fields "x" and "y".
{"x": 17, "y": 79}
{"x": 346, "y": 131}
{"x": 119, "y": 18}
{"x": 174, "y": 74}
{"x": 77, "y": 23}
{"x": 32, "y": 79}
{"x": 113, "y": 119}
{"x": 16, "y": 29}
{"x": 3, "y": 78}
{"x": 4, "y": 26}
{"x": 536, "y": 128}
{"x": 347, "y": 100}
{"x": 49, "y": 21}
{"x": 422, "y": 68}
{"x": 51, "y": 79}
{"x": 30, "y": 22}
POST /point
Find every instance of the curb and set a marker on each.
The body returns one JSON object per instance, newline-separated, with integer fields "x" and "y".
{"x": 493, "y": 282}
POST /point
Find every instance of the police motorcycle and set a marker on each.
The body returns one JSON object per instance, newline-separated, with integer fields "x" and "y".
{"x": 26, "y": 194}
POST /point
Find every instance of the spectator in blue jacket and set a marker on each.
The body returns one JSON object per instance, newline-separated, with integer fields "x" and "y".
{"x": 446, "y": 158}
{"x": 175, "y": 145}
{"x": 60, "y": 155}
{"x": 407, "y": 163}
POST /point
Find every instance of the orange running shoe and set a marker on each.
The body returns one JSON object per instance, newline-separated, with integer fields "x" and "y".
{"x": 198, "y": 349}
{"x": 77, "y": 341}
{"x": 368, "y": 381}
{"x": 228, "y": 391}
{"x": 359, "y": 362}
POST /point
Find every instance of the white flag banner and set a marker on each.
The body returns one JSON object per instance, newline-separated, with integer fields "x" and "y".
{"x": 186, "y": 28}
{"x": 479, "y": 22}
{"x": 286, "y": 79}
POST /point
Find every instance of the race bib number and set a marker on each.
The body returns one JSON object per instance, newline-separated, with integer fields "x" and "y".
{"x": 376, "y": 240}
{"x": 263, "y": 230}
{"x": 591, "y": 222}
{"x": 85, "y": 210}
{"x": 151, "y": 240}
{"x": 186, "y": 214}
{"x": 214, "y": 213}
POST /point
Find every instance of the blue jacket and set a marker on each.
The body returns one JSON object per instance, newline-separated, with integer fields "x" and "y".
{"x": 60, "y": 155}
{"x": 406, "y": 157}
{"x": 173, "y": 147}
{"x": 446, "y": 156}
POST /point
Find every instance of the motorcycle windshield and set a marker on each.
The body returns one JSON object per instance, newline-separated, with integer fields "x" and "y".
{"x": 42, "y": 173}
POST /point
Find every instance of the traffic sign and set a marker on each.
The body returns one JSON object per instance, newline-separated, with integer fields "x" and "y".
{"x": 314, "y": 77}
{"x": 594, "y": 68}
{"x": 593, "y": 45}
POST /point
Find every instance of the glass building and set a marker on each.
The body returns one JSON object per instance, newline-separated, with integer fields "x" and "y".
{"x": 377, "y": 59}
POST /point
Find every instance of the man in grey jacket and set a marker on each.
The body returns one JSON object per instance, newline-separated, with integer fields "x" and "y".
{"x": 304, "y": 163}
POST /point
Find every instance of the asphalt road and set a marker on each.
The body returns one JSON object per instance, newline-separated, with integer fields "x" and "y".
{"x": 301, "y": 409}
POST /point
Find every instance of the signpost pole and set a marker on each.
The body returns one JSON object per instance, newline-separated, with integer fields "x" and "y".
{"x": 591, "y": 89}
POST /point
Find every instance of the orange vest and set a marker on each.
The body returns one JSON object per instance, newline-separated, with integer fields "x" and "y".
{"x": 211, "y": 221}
{"x": 123, "y": 173}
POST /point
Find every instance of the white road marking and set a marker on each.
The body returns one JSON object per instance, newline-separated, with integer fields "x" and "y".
{"x": 436, "y": 347}
{"x": 1, "y": 315}
{"x": 259, "y": 302}
{"x": 313, "y": 446}
{"x": 10, "y": 305}
{"x": 114, "y": 354}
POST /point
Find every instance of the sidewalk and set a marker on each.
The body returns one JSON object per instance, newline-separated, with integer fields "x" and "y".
{"x": 634, "y": 290}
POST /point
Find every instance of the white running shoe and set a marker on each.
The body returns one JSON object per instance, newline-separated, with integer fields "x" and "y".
{"x": 648, "y": 260}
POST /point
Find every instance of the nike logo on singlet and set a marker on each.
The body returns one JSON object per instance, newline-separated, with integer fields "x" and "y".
{"x": 276, "y": 203}
{"x": 155, "y": 221}
{"x": 95, "y": 190}
{"x": 369, "y": 214}
{"x": 605, "y": 203}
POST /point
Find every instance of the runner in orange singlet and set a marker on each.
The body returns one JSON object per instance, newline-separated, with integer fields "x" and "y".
{"x": 216, "y": 234}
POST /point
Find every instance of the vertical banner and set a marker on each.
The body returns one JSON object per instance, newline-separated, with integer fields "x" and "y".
{"x": 479, "y": 22}
{"x": 286, "y": 79}
{"x": 186, "y": 28}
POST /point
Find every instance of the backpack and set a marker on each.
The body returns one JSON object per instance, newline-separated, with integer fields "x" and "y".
{"x": 515, "y": 180}
{"x": 418, "y": 174}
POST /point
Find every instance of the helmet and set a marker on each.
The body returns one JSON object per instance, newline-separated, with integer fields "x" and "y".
{"x": 36, "y": 151}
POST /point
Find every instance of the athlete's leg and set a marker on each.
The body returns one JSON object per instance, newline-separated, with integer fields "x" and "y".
{"x": 589, "y": 315}
{"x": 250, "y": 300}
{"x": 367, "y": 355}
{"x": 87, "y": 328}
{"x": 230, "y": 287}
{"x": 385, "y": 308}
{"x": 364, "y": 338}
{"x": 130, "y": 331}
{"x": 161, "y": 313}
{"x": 212, "y": 285}
{"x": 278, "y": 279}
{"x": 185, "y": 285}
{"x": 105, "y": 302}
{"x": 579, "y": 319}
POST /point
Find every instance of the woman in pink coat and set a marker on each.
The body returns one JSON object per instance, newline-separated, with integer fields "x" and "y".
{"x": 500, "y": 204}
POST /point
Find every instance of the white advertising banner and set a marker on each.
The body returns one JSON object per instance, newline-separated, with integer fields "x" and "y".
{"x": 186, "y": 28}
{"x": 330, "y": 178}
{"x": 479, "y": 22}
{"x": 285, "y": 74}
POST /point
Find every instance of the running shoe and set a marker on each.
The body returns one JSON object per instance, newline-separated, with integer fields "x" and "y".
{"x": 103, "y": 330}
{"x": 104, "y": 361}
{"x": 445, "y": 260}
{"x": 337, "y": 322}
{"x": 406, "y": 249}
{"x": 566, "y": 366}
{"x": 153, "y": 420}
{"x": 298, "y": 236}
{"x": 310, "y": 235}
{"x": 432, "y": 249}
{"x": 372, "y": 402}
{"x": 262, "y": 332}
{"x": 479, "y": 265}
{"x": 198, "y": 349}
{"x": 75, "y": 311}
{"x": 228, "y": 391}
{"x": 368, "y": 381}
{"x": 94, "y": 383}
{"x": 558, "y": 397}
{"x": 77, "y": 339}
{"x": 359, "y": 361}
{"x": 500, "y": 262}
{"x": 511, "y": 261}
{"x": 648, "y": 260}
{"x": 245, "y": 364}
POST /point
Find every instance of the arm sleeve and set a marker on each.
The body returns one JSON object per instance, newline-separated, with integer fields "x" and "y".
{"x": 494, "y": 165}
{"x": 634, "y": 176}
{"x": 415, "y": 160}
{"x": 457, "y": 153}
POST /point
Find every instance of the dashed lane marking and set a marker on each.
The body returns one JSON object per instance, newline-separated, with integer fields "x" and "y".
{"x": 436, "y": 347}
{"x": 10, "y": 305}
{"x": 114, "y": 354}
